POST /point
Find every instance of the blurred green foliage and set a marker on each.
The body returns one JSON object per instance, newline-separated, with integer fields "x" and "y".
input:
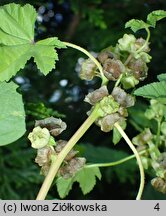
{"x": 93, "y": 25}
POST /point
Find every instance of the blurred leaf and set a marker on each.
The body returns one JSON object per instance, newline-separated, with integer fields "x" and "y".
{"x": 155, "y": 16}
{"x": 152, "y": 90}
{"x": 161, "y": 77}
{"x": 12, "y": 116}
{"x": 136, "y": 25}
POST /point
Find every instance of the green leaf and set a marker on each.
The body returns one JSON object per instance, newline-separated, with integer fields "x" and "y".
{"x": 18, "y": 45}
{"x": 12, "y": 116}
{"x": 86, "y": 177}
{"x": 136, "y": 25}
{"x": 161, "y": 77}
{"x": 116, "y": 135}
{"x": 64, "y": 186}
{"x": 155, "y": 16}
{"x": 153, "y": 90}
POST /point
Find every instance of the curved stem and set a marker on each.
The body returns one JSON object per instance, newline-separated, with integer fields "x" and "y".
{"x": 142, "y": 175}
{"x": 104, "y": 79}
{"x": 116, "y": 162}
{"x": 146, "y": 42}
{"x": 61, "y": 156}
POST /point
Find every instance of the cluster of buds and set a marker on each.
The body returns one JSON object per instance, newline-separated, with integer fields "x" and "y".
{"x": 127, "y": 61}
{"x": 152, "y": 158}
{"x": 42, "y": 139}
{"x": 112, "y": 108}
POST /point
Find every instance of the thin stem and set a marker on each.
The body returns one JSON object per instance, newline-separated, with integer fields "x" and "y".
{"x": 61, "y": 156}
{"x": 146, "y": 42}
{"x": 158, "y": 132}
{"x": 142, "y": 175}
{"x": 104, "y": 79}
{"x": 128, "y": 59}
{"x": 118, "y": 81}
{"x": 116, "y": 162}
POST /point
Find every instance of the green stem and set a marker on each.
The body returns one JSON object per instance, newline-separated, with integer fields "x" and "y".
{"x": 61, "y": 156}
{"x": 104, "y": 79}
{"x": 128, "y": 59}
{"x": 118, "y": 81}
{"x": 158, "y": 132}
{"x": 146, "y": 42}
{"x": 116, "y": 162}
{"x": 142, "y": 175}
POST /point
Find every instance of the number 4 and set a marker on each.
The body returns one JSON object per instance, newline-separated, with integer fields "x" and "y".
{"x": 157, "y": 207}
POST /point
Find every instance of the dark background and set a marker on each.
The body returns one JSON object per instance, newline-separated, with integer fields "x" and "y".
{"x": 93, "y": 25}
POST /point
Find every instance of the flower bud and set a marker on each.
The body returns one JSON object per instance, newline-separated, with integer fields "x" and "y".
{"x": 129, "y": 82}
{"x": 127, "y": 43}
{"x": 138, "y": 69}
{"x": 143, "y": 138}
{"x": 88, "y": 70}
{"x": 104, "y": 55}
{"x": 107, "y": 106}
{"x": 96, "y": 95}
{"x": 44, "y": 155}
{"x": 72, "y": 167}
{"x": 54, "y": 125}
{"x": 39, "y": 137}
{"x": 124, "y": 99}
{"x": 159, "y": 184}
{"x": 107, "y": 123}
{"x": 112, "y": 69}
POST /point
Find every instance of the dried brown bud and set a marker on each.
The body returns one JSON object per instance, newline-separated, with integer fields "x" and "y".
{"x": 162, "y": 160}
{"x": 138, "y": 68}
{"x": 54, "y": 125}
{"x": 124, "y": 99}
{"x": 113, "y": 68}
{"x": 60, "y": 144}
{"x": 143, "y": 138}
{"x": 159, "y": 184}
{"x": 44, "y": 155}
{"x": 123, "y": 111}
{"x": 96, "y": 95}
{"x": 107, "y": 123}
{"x": 72, "y": 167}
{"x": 88, "y": 70}
{"x": 103, "y": 56}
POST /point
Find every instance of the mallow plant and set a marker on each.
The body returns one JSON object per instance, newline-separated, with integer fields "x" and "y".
{"x": 120, "y": 68}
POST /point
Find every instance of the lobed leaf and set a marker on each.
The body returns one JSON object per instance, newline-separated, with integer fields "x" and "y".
{"x": 161, "y": 77}
{"x": 86, "y": 177}
{"x": 12, "y": 116}
{"x": 136, "y": 25}
{"x": 17, "y": 44}
{"x": 153, "y": 90}
{"x": 155, "y": 16}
